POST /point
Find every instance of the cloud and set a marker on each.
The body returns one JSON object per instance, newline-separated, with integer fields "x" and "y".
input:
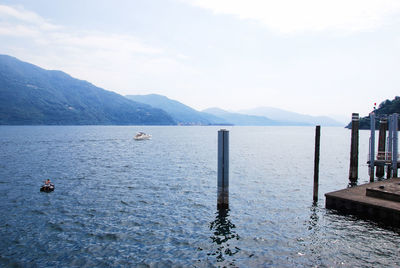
{"x": 295, "y": 16}
{"x": 109, "y": 60}
{"x": 103, "y": 41}
{"x": 9, "y": 13}
{"x": 19, "y": 22}
{"x": 17, "y": 31}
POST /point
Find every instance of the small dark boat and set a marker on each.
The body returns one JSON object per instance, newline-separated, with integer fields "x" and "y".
{"x": 47, "y": 188}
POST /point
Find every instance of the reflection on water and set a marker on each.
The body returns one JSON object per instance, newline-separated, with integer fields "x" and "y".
{"x": 223, "y": 235}
{"x": 313, "y": 222}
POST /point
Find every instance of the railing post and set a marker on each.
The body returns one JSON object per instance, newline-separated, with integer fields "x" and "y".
{"x": 223, "y": 169}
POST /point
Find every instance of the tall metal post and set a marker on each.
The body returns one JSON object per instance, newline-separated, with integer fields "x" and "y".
{"x": 390, "y": 147}
{"x": 372, "y": 148}
{"x": 353, "y": 173}
{"x": 395, "y": 144}
{"x": 223, "y": 169}
{"x": 316, "y": 162}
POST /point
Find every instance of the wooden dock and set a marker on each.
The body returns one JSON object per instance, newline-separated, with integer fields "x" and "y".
{"x": 378, "y": 201}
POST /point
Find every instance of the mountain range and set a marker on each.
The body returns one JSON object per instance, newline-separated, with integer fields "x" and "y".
{"x": 30, "y": 95}
{"x": 181, "y": 113}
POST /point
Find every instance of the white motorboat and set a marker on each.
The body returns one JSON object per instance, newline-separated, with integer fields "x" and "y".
{"x": 142, "y": 136}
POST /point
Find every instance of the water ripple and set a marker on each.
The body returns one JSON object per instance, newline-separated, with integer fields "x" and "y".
{"x": 120, "y": 203}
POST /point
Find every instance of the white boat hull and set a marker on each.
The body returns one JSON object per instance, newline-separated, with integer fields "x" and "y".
{"x": 142, "y": 136}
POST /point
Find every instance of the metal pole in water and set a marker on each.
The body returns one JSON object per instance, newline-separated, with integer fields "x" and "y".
{"x": 316, "y": 162}
{"x": 380, "y": 170}
{"x": 372, "y": 148}
{"x": 395, "y": 144}
{"x": 355, "y": 123}
{"x": 223, "y": 169}
{"x": 390, "y": 147}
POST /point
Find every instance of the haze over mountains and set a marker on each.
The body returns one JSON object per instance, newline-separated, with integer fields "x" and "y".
{"x": 291, "y": 118}
{"x": 185, "y": 115}
{"x": 30, "y": 95}
{"x": 242, "y": 119}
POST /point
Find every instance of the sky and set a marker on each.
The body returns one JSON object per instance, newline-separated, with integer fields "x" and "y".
{"x": 317, "y": 57}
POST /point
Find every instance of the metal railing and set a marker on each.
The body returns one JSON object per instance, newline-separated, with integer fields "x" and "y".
{"x": 387, "y": 156}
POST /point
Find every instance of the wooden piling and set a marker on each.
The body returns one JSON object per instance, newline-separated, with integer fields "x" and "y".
{"x": 372, "y": 148}
{"x": 380, "y": 170}
{"x": 223, "y": 169}
{"x": 316, "y": 162}
{"x": 355, "y": 123}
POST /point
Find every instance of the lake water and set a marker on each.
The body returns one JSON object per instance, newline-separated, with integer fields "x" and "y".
{"x": 120, "y": 202}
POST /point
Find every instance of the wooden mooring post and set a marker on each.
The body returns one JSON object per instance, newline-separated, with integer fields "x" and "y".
{"x": 372, "y": 148}
{"x": 380, "y": 170}
{"x": 316, "y": 162}
{"x": 355, "y": 124}
{"x": 223, "y": 169}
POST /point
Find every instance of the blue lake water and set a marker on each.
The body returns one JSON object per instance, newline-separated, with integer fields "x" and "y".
{"x": 120, "y": 202}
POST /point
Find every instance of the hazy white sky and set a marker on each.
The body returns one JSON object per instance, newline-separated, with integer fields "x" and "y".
{"x": 318, "y": 57}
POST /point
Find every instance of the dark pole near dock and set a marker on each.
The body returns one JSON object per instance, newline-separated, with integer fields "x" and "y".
{"x": 316, "y": 162}
{"x": 380, "y": 170}
{"x": 223, "y": 169}
{"x": 355, "y": 123}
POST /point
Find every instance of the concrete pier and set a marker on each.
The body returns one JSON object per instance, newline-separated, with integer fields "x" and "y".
{"x": 378, "y": 201}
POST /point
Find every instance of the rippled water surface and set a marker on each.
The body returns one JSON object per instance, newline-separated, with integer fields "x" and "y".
{"x": 120, "y": 202}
